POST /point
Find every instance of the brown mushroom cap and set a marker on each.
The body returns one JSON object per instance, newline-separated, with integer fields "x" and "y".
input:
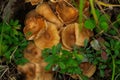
{"x": 66, "y": 12}
{"x": 32, "y": 53}
{"x": 88, "y": 69}
{"x": 29, "y": 70}
{"x": 34, "y": 2}
{"x": 35, "y": 25}
{"x": 82, "y": 35}
{"x": 45, "y": 11}
{"x": 49, "y": 38}
{"x": 68, "y": 36}
{"x": 34, "y": 71}
{"x": 71, "y": 35}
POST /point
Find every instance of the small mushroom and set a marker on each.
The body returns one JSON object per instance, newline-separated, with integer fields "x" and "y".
{"x": 32, "y": 53}
{"x": 68, "y": 36}
{"x": 33, "y": 71}
{"x": 45, "y": 11}
{"x": 71, "y": 35}
{"x": 34, "y": 2}
{"x": 49, "y": 38}
{"x": 66, "y": 12}
{"x": 88, "y": 69}
{"x": 35, "y": 25}
{"x": 29, "y": 70}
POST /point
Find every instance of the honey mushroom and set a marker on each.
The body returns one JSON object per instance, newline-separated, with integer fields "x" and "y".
{"x": 66, "y": 12}
{"x": 68, "y": 36}
{"x": 71, "y": 35}
{"x": 45, "y": 11}
{"x": 88, "y": 69}
{"x": 49, "y": 38}
{"x": 34, "y": 2}
{"x": 35, "y": 25}
{"x": 82, "y": 35}
{"x": 35, "y": 69}
{"x": 43, "y": 27}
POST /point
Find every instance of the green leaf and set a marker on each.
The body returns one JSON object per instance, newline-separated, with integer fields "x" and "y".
{"x": 79, "y": 56}
{"x": 102, "y": 66}
{"x": 21, "y": 61}
{"x": 50, "y": 59}
{"x": 7, "y": 55}
{"x": 104, "y": 26}
{"x": 118, "y": 17}
{"x": 97, "y": 13}
{"x": 62, "y": 65}
{"x": 102, "y": 74}
{"x": 49, "y": 66}
{"x": 112, "y": 32}
{"x": 85, "y": 43}
{"x": 104, "y": 18}
{"x": 117, "y": 62}
{"x": 89, "y": 24}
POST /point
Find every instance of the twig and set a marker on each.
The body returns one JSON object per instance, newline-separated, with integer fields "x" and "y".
{"x": 107, "y": 5}
{"x": 4, "y": 72}
{"x": 115, "y": 37}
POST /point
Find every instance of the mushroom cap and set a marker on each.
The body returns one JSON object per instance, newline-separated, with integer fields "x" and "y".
{"x": 66, "y": 12}
{"x": 33, "y": 53}
{"x": 29, "y": 70}
{"x": 35, "y": 25}
{"x": 88, "y": 69}
{"x": 45, "y": 11}
{"x": 34, "y": 71}
{"x": 49, "y": 38}
{"x": 82, "y": 35}
{"x": 71, "y": 35}
{"x": 68, "y": 36}
{"x": 34, "y": 2}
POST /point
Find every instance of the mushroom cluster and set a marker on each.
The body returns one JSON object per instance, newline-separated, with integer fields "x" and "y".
{"x": 50, "y": 23}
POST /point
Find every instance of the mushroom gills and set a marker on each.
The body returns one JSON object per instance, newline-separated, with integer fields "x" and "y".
{"x": 66, "y": 12}
{"x": 49, "y": 38}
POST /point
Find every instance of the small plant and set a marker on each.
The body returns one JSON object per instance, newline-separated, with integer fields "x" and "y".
{"x": 12, "y": 42}
{"x": 63, "y": 61}
{"x": 102, "y": 22}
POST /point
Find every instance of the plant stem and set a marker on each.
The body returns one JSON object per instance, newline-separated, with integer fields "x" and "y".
{"x": 107, "y": 5}
{"x": 93, "y": 11}
{"x": 81, "y": 6}
{"x": 1, "y": 38}
{"x": 113, "y": 70}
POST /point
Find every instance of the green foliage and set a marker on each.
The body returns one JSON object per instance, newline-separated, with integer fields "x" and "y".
{"x": 12, "y": 42}
{"x": 103, "y": 22}
{"x": 89, "y": 24}
{"x": 63, "y": 61}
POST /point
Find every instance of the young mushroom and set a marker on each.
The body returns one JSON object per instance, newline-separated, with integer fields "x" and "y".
{"x": 45, "y": 11}
{"x": 68, "y": 36}
{"x": 66, "y": 12}
{"x": 49, "y": 38}
{"x": 35, "y": 25}
{"x": 71, "y": 35}
{"x": 88, "y": 69}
